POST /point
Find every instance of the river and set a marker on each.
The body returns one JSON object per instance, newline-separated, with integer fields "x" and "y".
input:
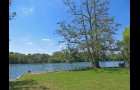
{"x": 15, "y": 70}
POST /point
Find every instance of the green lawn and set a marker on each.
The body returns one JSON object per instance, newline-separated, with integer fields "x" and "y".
{"x": 99, "y": 79}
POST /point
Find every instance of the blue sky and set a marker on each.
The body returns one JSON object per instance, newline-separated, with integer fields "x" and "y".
{"x": 33, "y": 29}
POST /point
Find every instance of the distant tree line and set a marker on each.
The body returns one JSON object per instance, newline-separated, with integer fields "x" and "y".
{"x": 57, "y": 57}
{"x": 18, "y": 58}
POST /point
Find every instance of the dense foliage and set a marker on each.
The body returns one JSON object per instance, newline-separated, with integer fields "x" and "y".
{"x": 126, "y": 45}
{"x": 18, "y": 58}
{"x": 57, "y": 57}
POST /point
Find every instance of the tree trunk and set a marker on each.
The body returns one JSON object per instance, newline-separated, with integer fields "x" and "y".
{"x": 92, "y": 62}
{"x": 96, "y": 63}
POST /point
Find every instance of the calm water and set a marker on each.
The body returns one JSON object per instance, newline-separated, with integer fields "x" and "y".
{"x": 16, "y": 70}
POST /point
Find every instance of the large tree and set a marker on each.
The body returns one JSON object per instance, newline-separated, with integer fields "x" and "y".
{"x": 90, "y": 29}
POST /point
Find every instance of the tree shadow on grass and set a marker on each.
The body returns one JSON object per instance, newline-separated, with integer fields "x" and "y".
{"x": 112, "y": 70}
{"x": 19, "y": 85}
{"x": 25, "y": 85}
{"x": 109, "y": 70}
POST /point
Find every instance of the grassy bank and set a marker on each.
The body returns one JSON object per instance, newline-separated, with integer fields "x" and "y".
{"x": 99, "y": 79}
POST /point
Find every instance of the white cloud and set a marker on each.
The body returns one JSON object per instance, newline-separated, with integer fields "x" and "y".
{"x": 29, "y": 43}
{"x": 46, "y": 39}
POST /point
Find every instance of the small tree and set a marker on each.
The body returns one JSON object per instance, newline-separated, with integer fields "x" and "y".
{"x": 126, "y": 45}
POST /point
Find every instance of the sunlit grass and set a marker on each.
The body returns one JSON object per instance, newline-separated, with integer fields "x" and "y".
{"x": 97, "y": 79}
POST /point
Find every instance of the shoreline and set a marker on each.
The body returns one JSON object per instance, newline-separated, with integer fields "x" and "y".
{"x": 34, "y": 73}
{"x": 53, "y": 72}
{"x": 17, "y": 77}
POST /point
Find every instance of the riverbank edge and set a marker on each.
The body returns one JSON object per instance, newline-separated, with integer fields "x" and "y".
{"x": 17, "y": 77}
{"x": 35, "y": 73}
{"x": 29, "y": 72}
